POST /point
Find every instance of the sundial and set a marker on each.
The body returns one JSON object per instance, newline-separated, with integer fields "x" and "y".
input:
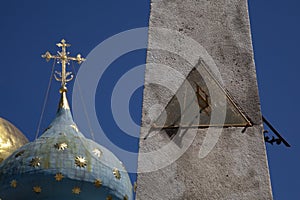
{"x": 193, "y": 105}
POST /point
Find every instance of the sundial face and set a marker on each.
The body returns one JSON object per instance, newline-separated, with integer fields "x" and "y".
{"x": 193, "y": 104}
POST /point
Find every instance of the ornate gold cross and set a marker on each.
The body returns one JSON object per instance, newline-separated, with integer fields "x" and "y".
{"x": 64, "y": 59}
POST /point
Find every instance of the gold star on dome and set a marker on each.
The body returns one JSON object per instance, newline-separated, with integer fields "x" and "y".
{"x": 35, "y": 162}
{"x": 125, "y": 197}
{"x": 97, "y": 152}
{"x": 61, "y": 146}
{"x": 37, "y": 189}
{"x": 74, "y": 127}
{"x": 58, "y": 176}
{"x": 109, "y": 198}
{"x": 97, "y": 183}
{"x": 76, "y": 190}
{"x": 116, "y": 173}
{"x": 80, "y": 161}
{"x": 13, "y": 183}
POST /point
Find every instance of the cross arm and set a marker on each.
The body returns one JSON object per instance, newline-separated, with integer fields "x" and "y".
{"x": 48, "y": 56}
{"x": 78, "y": 58}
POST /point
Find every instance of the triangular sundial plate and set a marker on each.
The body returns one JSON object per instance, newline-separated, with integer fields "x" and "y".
{"x": 201, "y": 101}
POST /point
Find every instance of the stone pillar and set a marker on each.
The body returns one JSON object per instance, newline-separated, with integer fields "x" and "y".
{"x": 233, "y": 165}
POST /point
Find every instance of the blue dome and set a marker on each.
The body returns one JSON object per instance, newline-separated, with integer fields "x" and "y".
{"x": 63, "y": 164}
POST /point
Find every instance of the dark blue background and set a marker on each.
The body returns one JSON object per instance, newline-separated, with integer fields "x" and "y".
{"x": 29, "y": 28}
{"x": 275, "y": 32}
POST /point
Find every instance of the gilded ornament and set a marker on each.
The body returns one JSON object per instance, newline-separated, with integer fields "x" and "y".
{"x": 74, "y": 127}
{"x": 58, "y": 176}
{"x": 109, "y": 198}
{"x": 11, "y": 139}
{"x": 76, "y": 190}
{"x": 117, "y": 173}
{"x": 64, "y": 59}
{"x": 13, "y": 183}
{"x": 80, "y": 161}
{"x": 61, "y": 146}
{"x": 97, "y": 152}
{"x": 37, "y": 189}
{"x": 35, "y": 162}
{"x": 97, "y": 183}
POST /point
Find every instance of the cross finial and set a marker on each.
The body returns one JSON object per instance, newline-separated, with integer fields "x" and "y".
{"x": 63, "y": 58}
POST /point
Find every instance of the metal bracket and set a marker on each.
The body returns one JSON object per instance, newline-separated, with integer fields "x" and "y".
{"x": 278, "y": 139}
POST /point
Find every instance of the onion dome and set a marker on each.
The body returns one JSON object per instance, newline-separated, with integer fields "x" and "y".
{"x": 63, "y": 164}
{"x": 11, "y": 139}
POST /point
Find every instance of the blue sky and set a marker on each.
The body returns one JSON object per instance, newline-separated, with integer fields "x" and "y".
{"x": 29, "y": 28}
{"x": 275, "y": 32}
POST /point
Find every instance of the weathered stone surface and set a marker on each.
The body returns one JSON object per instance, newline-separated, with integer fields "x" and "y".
{"x": 236, "y": 167}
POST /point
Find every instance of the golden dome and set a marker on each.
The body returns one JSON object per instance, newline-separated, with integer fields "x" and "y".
{"x": 11, "y": 139}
